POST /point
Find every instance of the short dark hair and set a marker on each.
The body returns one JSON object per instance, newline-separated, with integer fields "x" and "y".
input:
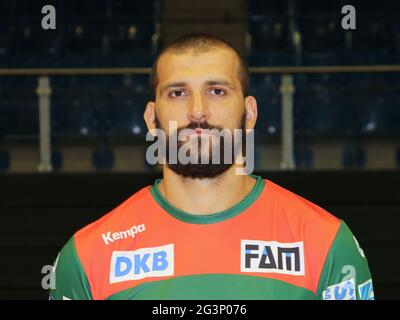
{"x": 200, "y": 42}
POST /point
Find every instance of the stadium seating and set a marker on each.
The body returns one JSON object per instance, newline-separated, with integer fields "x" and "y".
{"x": 354, "y": 156}
{"x": 125, "y": 118}
{"x": 397, "y": 157}
{"x": 4, "y": 160}
{"x": 324, "y": 118}
{"x": 79, "y": 118}
{"x": 119, "y": 33}
{"x": 57, "y": 159}
{"x": 103, "y": 158}
{"x": 303, "y": 157}
{"x": 380, "y": 118}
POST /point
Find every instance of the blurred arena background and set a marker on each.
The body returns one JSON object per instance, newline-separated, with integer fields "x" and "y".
{"x": 72, "y": 138}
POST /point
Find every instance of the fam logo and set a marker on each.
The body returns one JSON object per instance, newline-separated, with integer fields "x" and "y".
{"x": 366, "y": 290}
{"x": 345, "y": 290}
{"x": 142, "y": 263}
{"x": 272, "y": 257}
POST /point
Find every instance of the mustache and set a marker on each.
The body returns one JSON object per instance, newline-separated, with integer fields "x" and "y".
{"x": 201, "y": 125}
{"x": 192, "y": 125}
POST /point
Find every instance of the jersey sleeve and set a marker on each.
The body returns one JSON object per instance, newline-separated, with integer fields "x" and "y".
{"x": 345, "y": 275}
{"x": 70, "y": 279}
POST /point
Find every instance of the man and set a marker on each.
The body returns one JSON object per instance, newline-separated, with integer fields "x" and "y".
{"x": 204, "y": 231}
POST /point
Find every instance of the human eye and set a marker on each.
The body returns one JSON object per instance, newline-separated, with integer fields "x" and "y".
{"x": 217, "y": 91}
{"x": 176, "y": 93}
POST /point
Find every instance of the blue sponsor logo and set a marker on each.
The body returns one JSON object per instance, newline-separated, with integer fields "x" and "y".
{"x": 342, "y": 291}
{"x": 366, "y": 290}
{"x": 142, "y": 263}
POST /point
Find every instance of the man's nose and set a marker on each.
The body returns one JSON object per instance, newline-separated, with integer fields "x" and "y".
{"x": 198, "y": 109}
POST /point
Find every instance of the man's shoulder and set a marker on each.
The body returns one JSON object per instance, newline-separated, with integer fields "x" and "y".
{"x": 298, "y": 220}
{"x": 122, "y": 218}
{"x": 91, "y": 247}
{"x": 297, "y": 209}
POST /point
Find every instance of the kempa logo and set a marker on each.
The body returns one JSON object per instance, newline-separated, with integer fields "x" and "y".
{"x": 272, "y": 257}
{"x": 111, "y": 237}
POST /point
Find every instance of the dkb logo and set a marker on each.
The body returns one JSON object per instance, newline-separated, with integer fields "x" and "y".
{"x": 142, "y": 263}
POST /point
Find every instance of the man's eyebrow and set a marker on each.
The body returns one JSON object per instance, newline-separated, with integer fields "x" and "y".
{"x": 220, "y": 83}
{"x": 209, "y": 83}
{"x": 173, "y": 85}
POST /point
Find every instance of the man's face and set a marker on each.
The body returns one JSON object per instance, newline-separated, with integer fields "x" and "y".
{"x": 199, "y": 88}
{"x": 199, "y": 91}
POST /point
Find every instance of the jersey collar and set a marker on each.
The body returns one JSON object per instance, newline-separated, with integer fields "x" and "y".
{"x": 208, "y": 218}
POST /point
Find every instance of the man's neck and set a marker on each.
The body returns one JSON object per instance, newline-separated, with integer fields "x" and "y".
{"x": 205, "y": 196}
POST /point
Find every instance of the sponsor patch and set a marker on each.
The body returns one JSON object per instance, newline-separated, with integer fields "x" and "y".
{"x": 142, "y": 263}
{"x": 272, "y": 257}
{"x": 342, "y": 291}
{"x": 366, "y": 290}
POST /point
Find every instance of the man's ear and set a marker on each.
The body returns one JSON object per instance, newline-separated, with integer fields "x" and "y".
{"x": 150, "y": 115}
{"x": 250, "y": 104}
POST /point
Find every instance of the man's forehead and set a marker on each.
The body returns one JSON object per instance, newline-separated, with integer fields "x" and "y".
{"x": 218, "y": 62}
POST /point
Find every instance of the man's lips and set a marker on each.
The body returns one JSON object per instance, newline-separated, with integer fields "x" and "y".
{"x": 202, "y": 131}
{"x": 196, "y": 132}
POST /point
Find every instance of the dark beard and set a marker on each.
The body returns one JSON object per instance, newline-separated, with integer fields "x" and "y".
{"x": 199, "y": 170}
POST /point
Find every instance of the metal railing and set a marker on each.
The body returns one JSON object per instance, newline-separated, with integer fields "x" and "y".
{"x": 279, "y": 70}
{"x": 287, "y": 90}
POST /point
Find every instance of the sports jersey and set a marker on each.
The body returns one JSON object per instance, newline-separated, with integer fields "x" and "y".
{"x": 273, "y": 244}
